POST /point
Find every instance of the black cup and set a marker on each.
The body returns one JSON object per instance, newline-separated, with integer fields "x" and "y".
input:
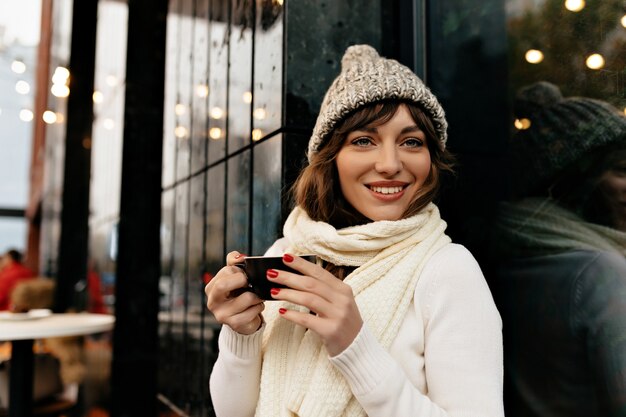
{"x": 255, "y": 268}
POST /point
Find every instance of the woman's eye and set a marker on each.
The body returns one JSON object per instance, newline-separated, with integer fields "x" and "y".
{"x": 362, "y": 141}
{"x": 413, "y": 143}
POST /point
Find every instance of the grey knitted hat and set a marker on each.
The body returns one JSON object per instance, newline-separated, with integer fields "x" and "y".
{"x": 366, "y": 78}
{"x": 559, "y": 133}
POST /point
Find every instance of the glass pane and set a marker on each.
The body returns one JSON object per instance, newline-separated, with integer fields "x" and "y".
{"x": 215, "y": 219}
{"x": 196, "y": 239}
{"x": 200, "y": 63}
{"x": 179, "y": 262}
{"x": 268, "y": 58}
{"x": 184, "y": 87}
{"x": 167, "y": 235}
{"x": 266, "y": 194}
{"x": 240, "y": 88}
{"x": 218, "y": 87}
{"x": 170, "y": 99}
{"x": 238, "y": 203}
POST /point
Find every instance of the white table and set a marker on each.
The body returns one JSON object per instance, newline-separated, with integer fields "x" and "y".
{"x": 22, "y": 334}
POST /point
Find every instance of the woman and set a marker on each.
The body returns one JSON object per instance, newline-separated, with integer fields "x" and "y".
{"x": 396, "y": 321}
{"x": 561, "y": 247}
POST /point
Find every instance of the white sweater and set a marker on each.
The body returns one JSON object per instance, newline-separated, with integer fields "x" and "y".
{"x": 445, "y": 361}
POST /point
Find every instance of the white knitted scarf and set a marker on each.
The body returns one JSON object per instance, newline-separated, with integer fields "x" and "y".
{"x": 535, "y": 226}
{"x": 297, "y": 377}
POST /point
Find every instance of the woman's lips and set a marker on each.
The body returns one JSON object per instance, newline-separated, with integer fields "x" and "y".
{"x": 389, "y": 191}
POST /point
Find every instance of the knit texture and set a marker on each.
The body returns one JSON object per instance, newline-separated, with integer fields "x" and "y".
{"x": 561, "y": 132}
{"x": 297, "y": 378}
{"x": 367, "y": 78}
{"x": 535, "y": 227}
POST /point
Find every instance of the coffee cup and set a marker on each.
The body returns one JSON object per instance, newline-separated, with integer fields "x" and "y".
{"x": 255, "y": 269}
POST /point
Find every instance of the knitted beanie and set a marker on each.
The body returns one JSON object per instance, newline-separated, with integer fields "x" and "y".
{"x": 557, "y": 133}
{"x": 366, "y": 78}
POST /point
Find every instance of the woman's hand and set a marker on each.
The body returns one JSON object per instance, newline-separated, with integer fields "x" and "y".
{"x": 240, "y": 310}
{"x": 337, "y": 319}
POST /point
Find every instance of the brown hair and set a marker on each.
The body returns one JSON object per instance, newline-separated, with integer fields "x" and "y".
{"x": 317, "y": 189}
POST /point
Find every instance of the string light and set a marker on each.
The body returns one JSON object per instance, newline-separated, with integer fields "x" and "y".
{"x": 26, "y": 115}
{"x": 18, "y": 67}
{"x": 259, "y": 113}
{"x": 574, "y": 5}
{"x": 111, "y": 80}
{"x": 60, "y": 90}
{"x": 202, "y": 90}
{"x": 522, "y": 124}
{"x": 215, "y": 133}
{"x": 61, "y": 75}
{"x": 180, "y": 109}
{"x": 97, "y": 96}
{"x": 180, "y": 131}
{"x": 49, "y": 117}
{"x": 534, "y": 56}
{"x": 22, "y": 87}
{"x": 595, "y": 61}
{"x": 108, "y": 124}
{"x": 216, "y": 113}
{"x": 257, "y": 134}
{"x": 247, "y": 97}
{"x": 624, "y": 20}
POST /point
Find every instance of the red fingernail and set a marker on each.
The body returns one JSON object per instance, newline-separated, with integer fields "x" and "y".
{"x": 274, "y": 291}
{"x": 282, "y": 310}
{"x": 272, "y": 273}
{"x": 287, "y": 258}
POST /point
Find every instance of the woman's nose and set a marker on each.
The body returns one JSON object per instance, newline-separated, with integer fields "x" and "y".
{"x": 388, "y": 161}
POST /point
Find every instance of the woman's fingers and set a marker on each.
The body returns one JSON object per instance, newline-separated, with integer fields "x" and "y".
{"x": 234, "y": 257}
{"x": 310, "y": 269}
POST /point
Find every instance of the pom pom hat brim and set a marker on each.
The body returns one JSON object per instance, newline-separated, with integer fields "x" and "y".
{"x": 367, "y": 78}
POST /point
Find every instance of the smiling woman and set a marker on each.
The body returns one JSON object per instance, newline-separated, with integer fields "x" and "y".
{"x": 390, "y": 297}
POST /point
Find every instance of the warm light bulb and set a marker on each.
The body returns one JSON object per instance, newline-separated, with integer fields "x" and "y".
{"x": 202, "y": 90}
{"x": 534, "y": 56}
{"x": 22, "y": 87}
{"x": 624, "y": 20}
{"x": 259, "y": 113}
{"x": 61, "y": 75}
{"x": 247, "y": 97}
{"x": 280, "y": 2}
{"x": 215, "y": 133}
{"x": 180, "y": 109}
{"x": 595, "y": 61}
{"x": 49, "y": 117}
{"x": 97, "y": 96}
{"x": 216, "y": 113}
{"x": 18, "y": 67}
{"x": 60, "y": 90}
{"x": 26, "y": 115}
{"x": 180, "y": 131}
{"x": 522, "y": 124}
{"x": 257, "y": 134}
{"x": 574, "y": 5}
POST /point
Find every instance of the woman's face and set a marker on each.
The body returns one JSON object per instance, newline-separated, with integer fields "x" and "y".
{"x": 381, "y": 168}
{"x": 613, "y": 186}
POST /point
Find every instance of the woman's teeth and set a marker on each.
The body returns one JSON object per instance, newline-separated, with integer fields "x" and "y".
{"x": 386, "y": 190}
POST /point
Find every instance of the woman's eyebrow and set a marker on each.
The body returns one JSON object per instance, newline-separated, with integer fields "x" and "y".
{"x": 412, "y": 128}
